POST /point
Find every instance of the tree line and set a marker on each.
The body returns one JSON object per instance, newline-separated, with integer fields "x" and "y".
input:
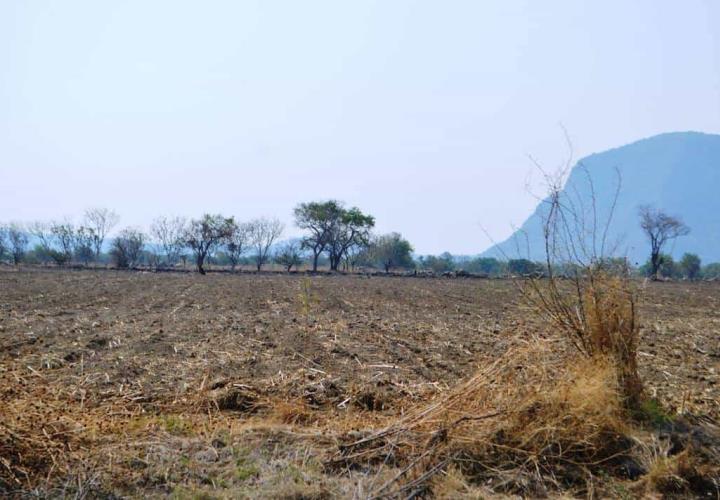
{"x": 335, "y": 236}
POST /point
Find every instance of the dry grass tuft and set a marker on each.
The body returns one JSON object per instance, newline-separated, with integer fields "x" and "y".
{"x": 527, "y": 424}
{"x": 597, "y": 311}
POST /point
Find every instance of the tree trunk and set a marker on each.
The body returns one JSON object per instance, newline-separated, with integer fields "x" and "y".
{"x": 315, "y": 261}
{"x": 200, "y": 262}
{"x": 655, "y": 265}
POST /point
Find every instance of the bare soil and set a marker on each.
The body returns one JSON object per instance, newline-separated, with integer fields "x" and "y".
{"x": 136, "y": 384}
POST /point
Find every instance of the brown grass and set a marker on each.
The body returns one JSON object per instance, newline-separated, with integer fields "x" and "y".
{"x": 597, "y": 311}
{"x": 141, "y": 385}
{"x": 526, "y": 424}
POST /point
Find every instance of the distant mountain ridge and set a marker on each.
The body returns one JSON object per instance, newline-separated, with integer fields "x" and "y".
{"x": 677, "y": 172}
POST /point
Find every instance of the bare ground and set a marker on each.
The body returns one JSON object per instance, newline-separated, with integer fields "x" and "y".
{"x": 136, "y": 384}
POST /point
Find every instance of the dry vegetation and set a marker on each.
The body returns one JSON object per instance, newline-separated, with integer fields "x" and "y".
{"x": 137, "y": 384}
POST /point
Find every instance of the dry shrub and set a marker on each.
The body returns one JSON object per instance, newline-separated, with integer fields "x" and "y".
{"x": 527, "y": 424}
{"x": 597, "y": 311}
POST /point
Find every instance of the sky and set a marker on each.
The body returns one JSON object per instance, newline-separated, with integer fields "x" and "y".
{"x": 422, "y": 113}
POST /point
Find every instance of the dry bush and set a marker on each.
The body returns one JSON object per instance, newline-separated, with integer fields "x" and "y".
{"x": 528, "y": 424}
{"x": 585, "y": 292}
{"x": 597, "y": 311}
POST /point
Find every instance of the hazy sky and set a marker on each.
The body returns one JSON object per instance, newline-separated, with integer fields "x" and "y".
{"x": 421, "y": 113}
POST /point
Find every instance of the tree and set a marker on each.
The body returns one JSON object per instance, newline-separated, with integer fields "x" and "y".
{"x": 333, "y": 229}
{"x": 352, "y": 229}
{"x": 64, "y": 240}
{"x": 3, "y": 242}
{"x": 485, "y": 265}
{"x": 84, "y": 247}
{"x": 711, "y": 271}
{"x": 237, "y": 243}
{"x": 438, "y": 264}
{"x": 289, "y": 255}
{"x": 204, "y": 235}
{"x": 690, "y": 266}
{"x": 319, "y": 219}
{"x": 523, "y": 267}
{"x": 44, "y": 247}
{"x": 56, "y": 240}
{"x": 127, "y": 248}
{"x": 659, "y": 228}
{"x": 392, "y": 250}
{"x": 170, "y": 232}
{"x": 99, "y": 222}
{"x": 262, "y": 234}
{"x": 18, "y": 240}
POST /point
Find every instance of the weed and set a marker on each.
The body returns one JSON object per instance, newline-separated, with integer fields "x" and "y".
{"x": 176, "y": 425}
{"x": 651, "y": 411}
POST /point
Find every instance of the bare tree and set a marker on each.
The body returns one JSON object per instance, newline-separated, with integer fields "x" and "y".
{"x": 237, "y": 243}
{"x": 204, "y": 235}
{"x": 18, "y": 240}
{"x": 127, "y": 248}
{"x": 100, "y": 221}
{"x": 56, "y": 240}
{"x": 289, "y": 255}
{"x": 263, "y": 233}
{"x": 170, "y": 233}
{"x": 660, "y": 228}
{"x": 40, "y": 230}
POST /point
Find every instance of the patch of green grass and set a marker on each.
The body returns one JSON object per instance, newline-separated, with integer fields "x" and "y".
{"x": 245, "y": 466}
{"x": 652, "y": 412}
{"x": 176, "y": 425}
{"x": 246, "y": 471}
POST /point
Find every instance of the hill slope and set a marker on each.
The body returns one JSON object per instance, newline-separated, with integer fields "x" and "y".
{"x": 676, "y": 172}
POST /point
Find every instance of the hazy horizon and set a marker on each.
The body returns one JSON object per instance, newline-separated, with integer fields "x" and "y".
{"x": 419, "y": 113}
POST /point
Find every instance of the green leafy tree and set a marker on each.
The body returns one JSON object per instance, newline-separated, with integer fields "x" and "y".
{"x": 333, "y": 229}
{"x": 485, "y": 265}
{"x": 392, "y": 250}
{"x": 438, "y": 264}
{"x": 3, "y": 242}
{"x": 205, "y": 235}
{"x": 690, "y": 266}
{"x": 665, "y": 267}
{"x": 127, "y": 248}
{"x": 711, "y": 271}
{"x": 237, "y": 243}
{"x": 18, "y": 239}
{"x": 352, "y": 230}
{"x": 523, "y": 267}
{"x": 319, "y": 219}
{"x": 85, "y": 245}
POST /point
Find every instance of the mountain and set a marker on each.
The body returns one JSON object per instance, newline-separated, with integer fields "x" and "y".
{"x": 678, "y": 173}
